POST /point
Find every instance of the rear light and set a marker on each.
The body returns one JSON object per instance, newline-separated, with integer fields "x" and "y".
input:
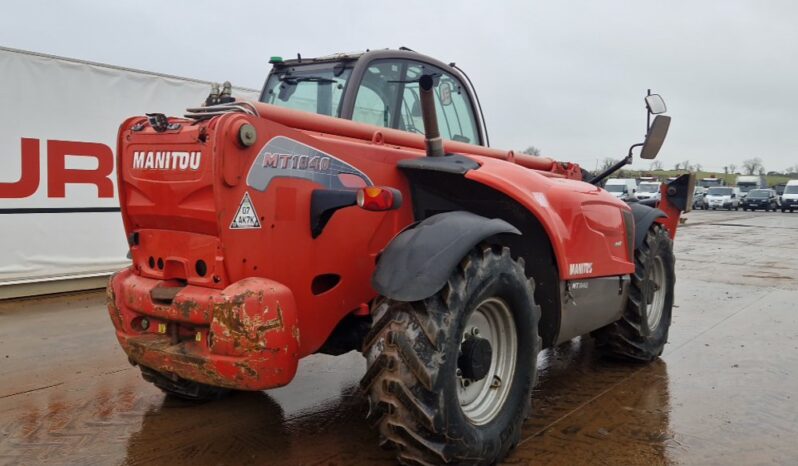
{"x": 379, "y": 198}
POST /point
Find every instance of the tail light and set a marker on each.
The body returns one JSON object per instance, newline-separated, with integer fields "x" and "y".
{"x": 378, "y": 198}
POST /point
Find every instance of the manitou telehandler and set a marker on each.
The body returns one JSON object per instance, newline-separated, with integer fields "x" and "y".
{"x": 358, "y": 206}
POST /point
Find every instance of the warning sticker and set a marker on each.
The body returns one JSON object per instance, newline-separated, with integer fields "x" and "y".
{"x": 245, "y": 217}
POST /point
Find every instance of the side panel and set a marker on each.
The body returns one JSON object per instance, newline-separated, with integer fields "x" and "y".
{"x": 329, "y": 275}
{"x": 584, "y": 223}
{"x": 590, "y": 304}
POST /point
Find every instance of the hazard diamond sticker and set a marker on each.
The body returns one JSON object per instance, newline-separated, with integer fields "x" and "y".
{"x": 246, "y": 217}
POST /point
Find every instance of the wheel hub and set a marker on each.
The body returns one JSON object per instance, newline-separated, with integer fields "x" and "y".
{"x": 486, "y": 360}
{"x": 654, "y": 294}
{"x": 475, "y": 358}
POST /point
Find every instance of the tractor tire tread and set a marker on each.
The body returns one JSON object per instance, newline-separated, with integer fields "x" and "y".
{"x": 625, "y": 338}
{"x": 402, "y": 383}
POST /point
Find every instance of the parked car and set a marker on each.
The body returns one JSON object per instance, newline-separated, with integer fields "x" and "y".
{"x": 648, "y": 190}
{"x": 723, "y": 197}
{"x": 624, "y": 189}
{"x": 698, "y": 197}
{"x": 760, "y": 199}
{"x": 789, "y": 200}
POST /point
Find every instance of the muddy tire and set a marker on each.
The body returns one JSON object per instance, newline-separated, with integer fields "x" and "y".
{"x": 436, "y": 394}
{"x": 642, "y": 332}
{"x": 182, "y": 388}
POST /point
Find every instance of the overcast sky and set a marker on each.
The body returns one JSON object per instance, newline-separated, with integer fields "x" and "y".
{"x": 566, "y": 76}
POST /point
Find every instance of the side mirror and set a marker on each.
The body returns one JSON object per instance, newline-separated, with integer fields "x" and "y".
{"x": 655, "y": 137}
{"x": 655, "y": 104}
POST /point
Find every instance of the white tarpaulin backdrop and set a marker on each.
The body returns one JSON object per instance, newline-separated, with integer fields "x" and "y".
{"x": 44, "y": 236}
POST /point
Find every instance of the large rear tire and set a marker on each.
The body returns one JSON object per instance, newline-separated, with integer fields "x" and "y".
{"x": 182, "y": 388}
{"x": 449, "y": 378}
{"x": 642, "y": 332}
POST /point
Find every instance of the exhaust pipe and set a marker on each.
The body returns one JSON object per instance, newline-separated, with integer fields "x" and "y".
{"x": 432, "y": 137}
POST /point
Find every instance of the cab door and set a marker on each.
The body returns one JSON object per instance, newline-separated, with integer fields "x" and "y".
{"x": 388, "y": 96}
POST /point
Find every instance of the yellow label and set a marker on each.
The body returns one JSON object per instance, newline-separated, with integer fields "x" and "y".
{"x": 161, "y": 328}
{"x": 199, "y": 336}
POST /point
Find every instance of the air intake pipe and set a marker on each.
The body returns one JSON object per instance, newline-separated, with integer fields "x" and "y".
{"x": 432, "y": 137}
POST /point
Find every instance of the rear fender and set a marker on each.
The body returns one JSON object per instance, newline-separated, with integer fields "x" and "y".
{"x": 417, "y": 263}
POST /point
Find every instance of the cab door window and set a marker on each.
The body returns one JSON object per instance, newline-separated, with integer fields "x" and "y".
{"x": 388, "y": 96}
{"x": 456, "y": 119}
{"x": 378, "y": 94}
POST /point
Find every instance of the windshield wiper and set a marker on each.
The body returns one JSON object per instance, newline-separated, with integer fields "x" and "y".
{"x": 293, "y": 80}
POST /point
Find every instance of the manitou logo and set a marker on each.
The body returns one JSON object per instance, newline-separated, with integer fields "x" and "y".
{"x": 166, "y": 160}
{"x": 582, "y": 268}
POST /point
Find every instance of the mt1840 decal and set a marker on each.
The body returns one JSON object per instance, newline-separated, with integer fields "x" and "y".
{"x": 283, "y": 157}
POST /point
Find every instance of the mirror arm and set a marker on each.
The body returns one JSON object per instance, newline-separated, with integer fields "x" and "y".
{"x": 614, "y": 168}
{"x": 629, "y": 156}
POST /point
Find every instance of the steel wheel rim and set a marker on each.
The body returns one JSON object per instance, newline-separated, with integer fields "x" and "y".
{"x": 482, "y": 400}
{"x": 656, "y": 303}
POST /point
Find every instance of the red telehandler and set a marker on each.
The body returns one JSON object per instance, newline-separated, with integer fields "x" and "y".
{"x": 358, "y": 206}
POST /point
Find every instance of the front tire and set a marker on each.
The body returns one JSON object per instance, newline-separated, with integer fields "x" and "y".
{"x": 437, "y": 392}
{"x": 642, "y": 332}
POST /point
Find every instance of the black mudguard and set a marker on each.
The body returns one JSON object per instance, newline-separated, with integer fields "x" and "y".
{"x": 644, "y": 216}
{"x": 417, "y": 262}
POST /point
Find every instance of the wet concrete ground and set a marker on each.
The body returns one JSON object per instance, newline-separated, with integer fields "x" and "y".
{"x": 724, "y": 392}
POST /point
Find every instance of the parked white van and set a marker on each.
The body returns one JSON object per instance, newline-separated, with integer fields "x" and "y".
{"x": 722, "y": 197}
{"x": 649, "y": 190}
{"x": 789, "y": 200}
{"x": 622, "y": 188}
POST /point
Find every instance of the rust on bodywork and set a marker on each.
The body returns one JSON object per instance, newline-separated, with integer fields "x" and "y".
{"x": 113, "y": 309}
{"x": 243, "y": 337}
{"x": 186, "y": 307}
{"x": 276, "y": 323}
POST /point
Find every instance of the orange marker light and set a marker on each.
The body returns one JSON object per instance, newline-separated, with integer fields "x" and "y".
{"x": 378, "y": 198}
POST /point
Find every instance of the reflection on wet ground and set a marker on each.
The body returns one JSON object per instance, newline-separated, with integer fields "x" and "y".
{"x": 722, "y": 393}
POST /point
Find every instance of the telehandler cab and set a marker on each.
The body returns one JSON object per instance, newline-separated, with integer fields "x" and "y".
{"x": 358, "y": 206}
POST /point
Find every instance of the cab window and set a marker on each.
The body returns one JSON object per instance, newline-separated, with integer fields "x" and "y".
{"x": 377, "y": 94}
{"x": 315, "y": 89}
{"x": 389, "y": 96}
